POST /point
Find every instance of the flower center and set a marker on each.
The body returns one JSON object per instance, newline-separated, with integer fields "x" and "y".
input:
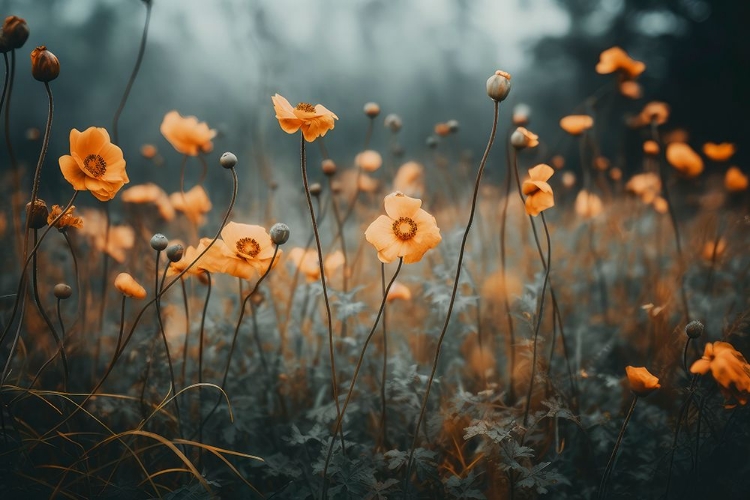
{"x": 303, "y": 106}
{"x": 95, "y": 165}
{"x": 248, "y": 246}
{"x": 404, "y": 228}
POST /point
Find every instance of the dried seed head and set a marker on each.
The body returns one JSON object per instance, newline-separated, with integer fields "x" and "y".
{"x": 44, "y": 65}
{"x": 159, "y": 242}
{"x": 372, "y": 109}
{"x": 15, "y": 32}
{"x": 694, "y": 329}
{"x": 175, "y": 252}
{"x": 62, "y": 291}
{"x": 279, "y": 233}
{"x": 228, "y": 160}
{"x": 37, "y": 216}
{"x": 498, "y": 86}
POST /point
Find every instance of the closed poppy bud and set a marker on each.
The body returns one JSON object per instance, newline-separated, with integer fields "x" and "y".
{"x": 372, "y": 109}
{"x": 393, "y": 122}
{"x": 159, "y": 242}
{"x": 129, "y": 287}
{"x": 694, "y": 329}
{"x": 316, "y": 189}
{"x": 62, "y": 291}
{"x": 328, "y": 166}
{"x": 15, "y": 32}
{"x": 279, "y": 233}
{"x": 452, "y": 126}
{"x": 44, "y": 65}
{"x": 642, "y": 383}
{"x": 37, "y": 216}
{"x": 228, "y": 160}
{"x": 175, "y": 252}
{"x": 498, "y": 86}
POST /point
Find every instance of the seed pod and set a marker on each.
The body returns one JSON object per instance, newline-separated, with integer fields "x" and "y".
{"x": 62, "y": 291}
{"x": 37, "y": 216}
{"x": 694, "y": 329}
{"x": 498, "y": 86}
{"x": 228, "y": 160}
{"x": 279, "y": 233}
{"x": 159, "y": 242}
{"x": 175, "y": 252}
{"x": 44, "y": 65}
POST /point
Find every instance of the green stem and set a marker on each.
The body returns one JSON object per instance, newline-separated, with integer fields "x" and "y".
{"x": 610, "y": 464}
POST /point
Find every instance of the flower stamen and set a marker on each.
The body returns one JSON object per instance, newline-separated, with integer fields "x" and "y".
{"x": 303, "y": 106}
{"x": 248, "y": 246}
{"x": 404, "y": 228}
{"x": 95, "y": 165}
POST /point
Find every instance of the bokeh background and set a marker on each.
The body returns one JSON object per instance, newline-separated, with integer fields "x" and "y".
{"x": 426, "y": 60}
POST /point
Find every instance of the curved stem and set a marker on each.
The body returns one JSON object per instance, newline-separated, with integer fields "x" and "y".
{"x": 137, "y": 66}
{"x": 610, "y": 464}
{"x": 383, "y": 421}
{"x": 187, "y": 331}
{"x": 340, "y": 418}
{"x": 453, "y": 292}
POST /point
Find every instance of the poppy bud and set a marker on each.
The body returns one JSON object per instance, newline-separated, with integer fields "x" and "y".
{"x": 452, "y": 126}
{"x": 37, "y": 216}
{"x": 44, "y": 65}
{"x": 15, "y": 32}
{"x": 174, "y": 253}
{"x": 228, "y": 160}
{"x": 159, "y": 242}
{"x": 328, "y": 166}
{"x": 694, "y": 329}
{"x": 279, "y": 233}
{"x": 372, "y": 109}
{"x": 522, "y": 138}
{"x": 62, "y": 291}
{"x": 521, "y": 114}
{"x": 393, "y": 122}
{"x": 431, "y": 142}
{"x": 498, "y": 86}
{"x": 129, "y": 287}
{"x": 316, "y": 189}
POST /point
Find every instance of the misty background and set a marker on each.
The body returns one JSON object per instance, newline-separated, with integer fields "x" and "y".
{"x": 426, "y": 60}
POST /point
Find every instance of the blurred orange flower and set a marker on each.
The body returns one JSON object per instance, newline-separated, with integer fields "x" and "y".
{"x": 655, "y": 111}
{"x": 719, "y": 152}
{"x": 193, "y": 203}
{"x": 406, "y": 231}
{"x": 616, "y": 59}
{"x": 66, "y": 221}
{"x": 684, "y": 159}
{"x": 538, "y": 193}
{"x": 409, "y": 179}
{"x": 651, "y": 148}
{"x": 714, "y": 249}
{"x": 314, "y": 121}
{"x": 647, "y": 186}
{"x": 186, "y": 134}
{"x": 642, "y": 383}
{"x": 442, "y": 129}
{"x": 121, "y": 238}
{"x": 369, "y": 160}
{"x": 332, "y": 263}
{"x": 307, "y": 262}
{"x": 398, "y": 291}
{"x": 631, "y": 89}
{"x": 576, "y": 124}
{"x": 94, "y": 164}
{"x": 148, "y": 151}
{"x": 150, "y": 193}
{"x": 735, "y": 180}
{"x": 660, "y": 205}
{"x": 728, "y": 367}
{"x": 251, "y": 244}
{"x": 587, "y": 204}
{"x": 523, "y": 138}
{"x": 128, "y": 286}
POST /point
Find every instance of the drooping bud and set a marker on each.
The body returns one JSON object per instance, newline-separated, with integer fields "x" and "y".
{"x": 15, "y": 32}
{"x": 62, "y": 291}
{"x": 44, "y": 65}
{"x": 175, "y": 252}
{"x": 37, "y": 216}
{"x": 498, "y": 86}
{"x": 279, "y": 233}
{"x": 228, "y": 160}
{"x": 159, "y": 242}
{"x": 372, "y": 109}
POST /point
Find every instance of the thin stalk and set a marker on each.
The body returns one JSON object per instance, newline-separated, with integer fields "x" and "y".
{"x": 453, "y": 292}
{"x": 610, "y": 464}
{"x": 187, "y": 331}
{"x": 383, "y": 421}
{"x": 77, "y": 275}
{"x": 503, "y": 223}
{"x": 133, "y": 75}
{"x": 103, "y": 287}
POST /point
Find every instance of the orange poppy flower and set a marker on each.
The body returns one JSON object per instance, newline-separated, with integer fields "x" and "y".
{"x": 568, "y": 179}
{"x": 369, "y": 160}
{"x": 651, "y": 148}
{"x": 186, "y": 134}
{"x": 631, "y": 89}
{"x": 314, "y": 121}
{"x": 616, "y": 59}
{"x": 660, "y": 205}
{"x": 522, "y": 138}
{"x": 193, "y": 203}
{"x": 129, "y": 287}
{"x": 409, "y": 179}
{"x": 251, "y": 244}
{"x": 150, "y": 193}
{"x": 333, "y": 262}
{"x": 406, "y": 231}
{"x": 576, "y": 124}
{"x": 66, "y": 221}
{"x": 538, "y": 193}
{"x": 398, "y": 291}
{"x": 684, "y": 159}
{"x": 307, "y": 262}
{"x": 442, "y": 129}
{"x": 647, "y": 186}
{"x": 728, "y": 367}
{"x": 719, "y": 152}
{"x": 735, "y": 180}
{"x": 94, "y": 164}
{"x": 588, "y": 205}
{"x": 121, "y": 238}
{"x": 149, "y": 151}
{"x": 642, "y": 383}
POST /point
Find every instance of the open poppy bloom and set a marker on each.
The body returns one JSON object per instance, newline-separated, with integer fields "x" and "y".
{"x": 120, "y": 240}
{"x": 251, "y": 244}
{"x": 642, "y": 383}
{"x": 406, "y": 231}
{"x": 314, "y": 121}
{"x": 150, "y": 193}
{"x": 684, "y": 159}
{"x": 647, "y": 186}
{"x": 538, "y": 193}
{"x": 735, "y": 180}
{"x": 576, "y": 124}
{"x": 186, "y": 134}
{"x": 94, "y": 164}
{"x": 728, "y": 367}
{"x": 616, "y": 59}
{"x": 128, "y": 286}
{"x": 719, "y": 152}
{"x": 193, "y": 203}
